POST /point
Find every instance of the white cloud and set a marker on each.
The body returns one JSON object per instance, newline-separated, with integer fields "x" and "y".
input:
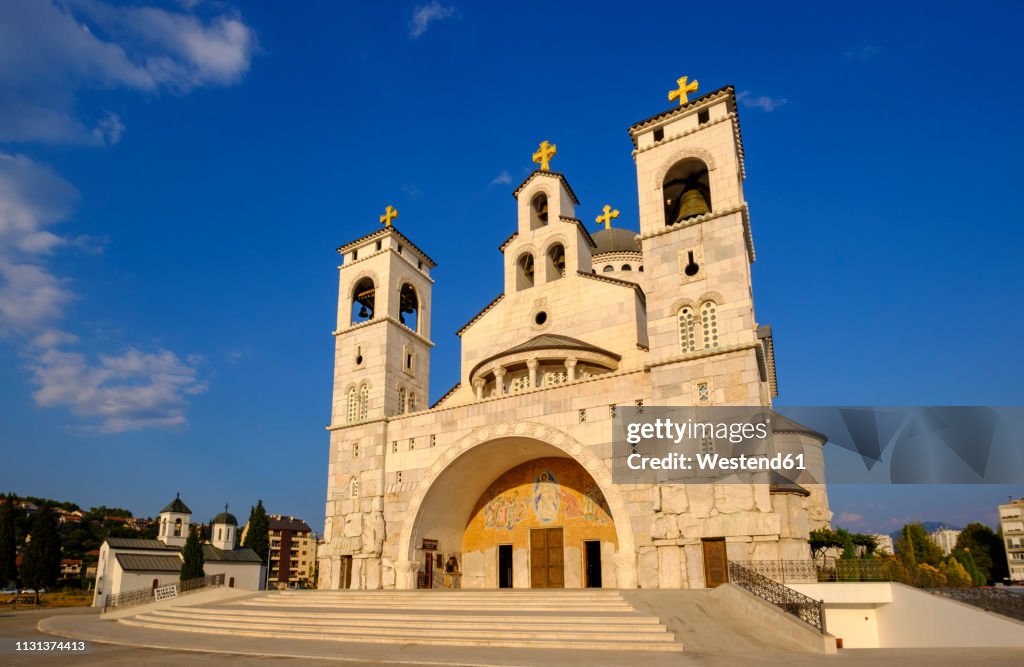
{"x": 412, "y": 191}
{"x": 763, "y": 102}
{"x": 424, "y": 15}
{"x": 51, "y": 52}
{"x": 851, "y": 518}
{"x": 126, "y": 391}
{"x": 504, "y": 178}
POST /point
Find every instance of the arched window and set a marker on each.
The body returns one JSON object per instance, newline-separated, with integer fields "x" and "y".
{"x": 364, "y": 401}
{"x": 363, "y": 299}
{"x": 409, "y": 307}
{"x": 352, "y": 409}
{"x": 412, "y": 401}
{"x": 401, "y": 400}
{"x": 687, "y": 330}
{"x": 627, "y": 267}
{"x": 709, "y": 323}
{"x": 524, "y": 271}
{"x": 686, "y": 191}
{"x": 608, "y": 269}
{"x": 177, "y": 527}
{"x": 538, "y": 210}
{"x": 219, "y": 533}
{"x": 555, "y": 262}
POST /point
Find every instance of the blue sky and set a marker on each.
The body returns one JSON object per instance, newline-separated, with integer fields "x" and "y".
{"x": 175, "y": 177}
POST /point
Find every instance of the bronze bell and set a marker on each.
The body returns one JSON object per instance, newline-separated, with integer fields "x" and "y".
{"x": 693, "y": 204}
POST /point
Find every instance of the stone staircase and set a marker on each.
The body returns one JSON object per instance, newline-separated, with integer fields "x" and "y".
{"x": 564, "y": 619}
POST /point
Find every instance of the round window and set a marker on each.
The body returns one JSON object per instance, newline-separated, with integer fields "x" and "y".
{"x": 540, "y": 318}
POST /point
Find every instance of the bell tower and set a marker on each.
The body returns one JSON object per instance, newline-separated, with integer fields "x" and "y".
{"x": 382, "y": 339}
{"x": 696, "y": 240}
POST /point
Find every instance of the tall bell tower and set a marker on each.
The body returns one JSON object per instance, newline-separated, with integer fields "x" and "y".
{"x": 697, "y": 244}
{"x": 381, "y": 370}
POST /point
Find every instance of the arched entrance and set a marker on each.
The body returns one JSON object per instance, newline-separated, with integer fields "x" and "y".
{"x": 499, "y": 486}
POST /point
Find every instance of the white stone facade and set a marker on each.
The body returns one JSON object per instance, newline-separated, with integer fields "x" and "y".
{"x": 543, "y": 369}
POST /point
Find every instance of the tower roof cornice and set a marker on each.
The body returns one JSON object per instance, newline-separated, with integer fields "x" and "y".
{"x": 381, "y": 233}
{"x": 555, "y": 174}
{"x": 724, "y": 91}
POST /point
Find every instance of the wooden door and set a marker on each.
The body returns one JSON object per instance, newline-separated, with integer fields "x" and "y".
{"x": 547, "y": 561}
{"x": 716, "y": 563}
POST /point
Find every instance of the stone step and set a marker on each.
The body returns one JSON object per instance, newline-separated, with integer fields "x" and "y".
{"x": 430, "y": 621}
{"x": 495, "y": 638}
{"x": 482, "y": 631}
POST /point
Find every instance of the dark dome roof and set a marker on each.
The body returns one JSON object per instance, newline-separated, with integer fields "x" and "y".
{"x": 616, "y": 239}
{"x": 224, "y": 517}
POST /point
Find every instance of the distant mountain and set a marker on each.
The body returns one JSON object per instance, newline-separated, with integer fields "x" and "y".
{"x": 929, "y": 527}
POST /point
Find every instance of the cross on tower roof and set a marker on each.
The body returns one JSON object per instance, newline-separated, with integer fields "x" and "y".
{"x": 609, "y": 215}
{"x": 683, "y": 89}
{"x": 390, "y": 213}
{"x": 544, "y": 154}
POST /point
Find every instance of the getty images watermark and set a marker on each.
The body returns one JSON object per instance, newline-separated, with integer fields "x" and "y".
{"x": 814, "y": 445}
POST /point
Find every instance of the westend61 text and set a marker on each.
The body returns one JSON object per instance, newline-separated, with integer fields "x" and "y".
{"x": 716, "y": 462}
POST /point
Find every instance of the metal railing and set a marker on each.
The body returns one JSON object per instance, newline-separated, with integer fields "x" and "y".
{"x": 809, "y": 571}
{"x": 995, "y": 600}
{"x": 145, "y": 595}
{"x": 792, "y": 602}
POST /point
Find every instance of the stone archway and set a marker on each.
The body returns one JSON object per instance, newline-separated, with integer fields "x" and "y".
{"x": 453, "y": 484}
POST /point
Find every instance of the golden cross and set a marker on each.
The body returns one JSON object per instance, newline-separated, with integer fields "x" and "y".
{"x": 609, "y": 215}
{"x": 390, "y": 213}
{"x": 683, "y": 89}
{"x": 544, "y": 155}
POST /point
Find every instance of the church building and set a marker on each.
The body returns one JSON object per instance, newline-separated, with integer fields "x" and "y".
{"x": 506, "y": 481}
{"x": 129, "y": 564}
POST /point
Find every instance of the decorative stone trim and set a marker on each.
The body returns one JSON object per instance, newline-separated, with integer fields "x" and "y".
{"x": 386, "y": 318}
{"x": 619, "y": 256}
{"x": 483, "y": 312}
{"x": 384, "y": 232}
{"x": 742, "y": 209}
{"x": 510, "y": 239}
{"x": 560, "y": 177}
{"x": 692, "y": 105}
{"x": 617, "y": 281}
{"x": 701, "y": 354}
{"x": 582, "y": 227}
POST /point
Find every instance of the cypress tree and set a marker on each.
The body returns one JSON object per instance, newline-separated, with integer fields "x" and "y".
{"x": 192, "y": 558}
{"x": 257, "y": 534}
{"x": 8, "y": 545}
{"x": 41, "y": 566}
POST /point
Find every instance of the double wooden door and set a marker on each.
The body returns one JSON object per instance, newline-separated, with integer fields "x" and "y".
{"x": 547, "y": 558}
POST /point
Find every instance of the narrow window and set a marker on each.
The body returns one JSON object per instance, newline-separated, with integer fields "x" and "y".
{"x": 703, "y": 116}
{"x": 401, "y": 400}
{"x": 703, "y": 393}
{"x": 687, "y": 333}
{"x": 709, "y": 324}
{"x": 409, "y": 307}
{"x": 353, "y": 406}
{"x": 524, "y": 272}
{"x": 364, "y": 401}
{"x": 353, "y": 487}
{"x": 412, "y": 401}
{"x": 659, "y": 134}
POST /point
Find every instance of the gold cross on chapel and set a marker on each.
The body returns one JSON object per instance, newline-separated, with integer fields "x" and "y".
{"x": 544, "y": 155}
{"x": 390, "y": 213}
{"x": 609, "y": 215}
{"x": 682, "y": 90}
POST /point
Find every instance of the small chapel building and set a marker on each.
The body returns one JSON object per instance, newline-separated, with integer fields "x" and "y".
{"x": 127, "y": 564}
{"x": 505, "y": 482}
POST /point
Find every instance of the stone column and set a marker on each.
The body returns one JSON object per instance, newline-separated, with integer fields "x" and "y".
{"x": 499, "y": 380}
{"x": 405, "y": 574}
{"x": 533, "y": 365}
{"x": 570, "y": 369}
{"x": 478, "y": 386}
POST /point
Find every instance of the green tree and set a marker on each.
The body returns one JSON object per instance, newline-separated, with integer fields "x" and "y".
{"x": 192, "y": 557}
{"x": 986, "y": 547}
{"x": 41, "y": 565}
{"x": 8, "y": 543}
{"x": 966, "y": 558}
{"x": 257, "y": 534}
{"x": 914, "y": 540}
{"x": 955, "y": 573}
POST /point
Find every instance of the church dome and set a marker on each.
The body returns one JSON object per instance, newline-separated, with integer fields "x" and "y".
{"x": 176, "y": 506}
{"x": 615, "y": 239}
{"x": 224, "y": 517}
